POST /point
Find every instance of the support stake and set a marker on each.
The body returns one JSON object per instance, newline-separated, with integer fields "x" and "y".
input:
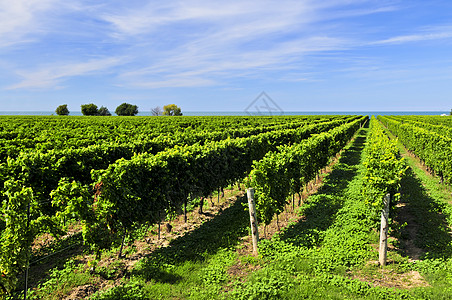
{"x": 384, "y": 230}
{"x": 253, "y": 219}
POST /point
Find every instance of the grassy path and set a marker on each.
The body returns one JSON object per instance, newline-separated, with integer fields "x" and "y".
{"x": 422, "y": 229}
{"x": 332, "y": 253}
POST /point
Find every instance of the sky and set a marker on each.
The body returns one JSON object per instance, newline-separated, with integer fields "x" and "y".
{"x": 330, "y": 55}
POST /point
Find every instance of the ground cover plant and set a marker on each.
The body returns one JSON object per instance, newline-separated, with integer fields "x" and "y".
{"x": 321, "y": 242}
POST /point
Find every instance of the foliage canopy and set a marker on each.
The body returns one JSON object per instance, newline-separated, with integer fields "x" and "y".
{"x": 103, "y": 111}
{"x": 89, "y": 109}
{"x": 126, "y": 109}
{"x": 62, "y": 110}
{"x": 171, "y": 110}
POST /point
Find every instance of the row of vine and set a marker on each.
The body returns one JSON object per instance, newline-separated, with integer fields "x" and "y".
{"x": 431, "y": 147}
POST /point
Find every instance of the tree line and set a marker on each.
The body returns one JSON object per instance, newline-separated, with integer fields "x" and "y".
{"x": 125, "y": 109}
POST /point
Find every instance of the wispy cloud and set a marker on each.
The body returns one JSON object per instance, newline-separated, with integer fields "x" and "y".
{"x": 221, "y": 40}
{"x": 143, "y": 45}
{"x": 206, "y": 62}
{"x": 211, "y": 15}
{"x": 20, "y": 18}
{"x": 442, "y": 32}
{"x": 182, "y": 44}
{"x": 51, "y": 75}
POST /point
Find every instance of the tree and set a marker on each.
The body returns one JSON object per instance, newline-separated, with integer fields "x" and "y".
{"x": 451, "y": 112}
{"x": 156, "y": 111}
{"x": 103, "y": 111}
{"x": 171, "y": 110}
{"x": 62, "y": 110}
{"x": 126, "y": 109}
{"x": 89, "y": 109}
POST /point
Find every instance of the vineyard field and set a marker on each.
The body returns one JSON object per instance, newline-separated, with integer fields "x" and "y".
{"x": 155, "y": 207}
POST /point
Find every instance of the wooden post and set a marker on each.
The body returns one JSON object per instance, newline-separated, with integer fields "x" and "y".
{"x": 253, "y": 219}
{"x": 384, "y": 230}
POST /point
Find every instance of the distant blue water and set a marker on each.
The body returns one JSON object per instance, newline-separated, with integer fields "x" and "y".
{"x": 242, "y": 113}
{"x": 293, "y": 113}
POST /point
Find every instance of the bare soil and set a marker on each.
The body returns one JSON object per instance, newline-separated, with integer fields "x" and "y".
{"x": 390, "y": 279}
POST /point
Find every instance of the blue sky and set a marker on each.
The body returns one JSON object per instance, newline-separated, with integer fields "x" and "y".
{"x": 332, "y": 55}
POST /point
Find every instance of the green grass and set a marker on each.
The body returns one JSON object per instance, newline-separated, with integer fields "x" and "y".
{"x": 311, "y": 259}
{"x": 429, "y": 203}
{"x": 314, "y": 258}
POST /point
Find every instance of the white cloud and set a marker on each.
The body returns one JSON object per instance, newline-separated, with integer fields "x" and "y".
{"x": 155, "y": 16}
{"x": 204, "y": 63}
{"x": 50, "y": 76}
{"x": 230, "y": 40}
{"x": 19, "y": 18}
{"x": 180, "y": 44}
{"x": 439, "y": 33}
{"x": 177, "y": 81}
